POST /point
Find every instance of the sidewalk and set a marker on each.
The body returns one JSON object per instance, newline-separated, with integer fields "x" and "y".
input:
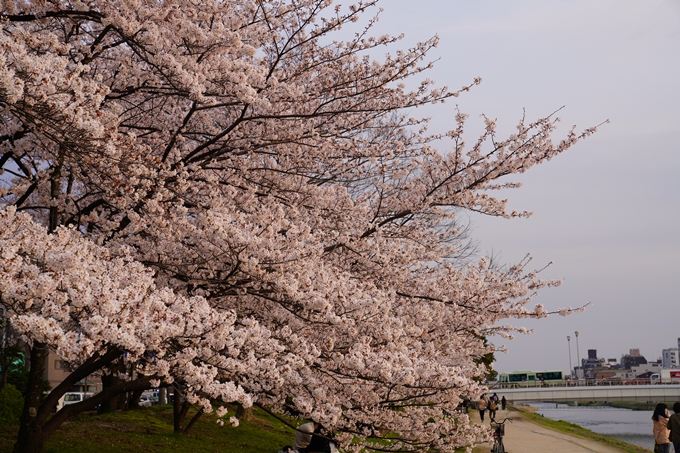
{"x": 523, "y": 436}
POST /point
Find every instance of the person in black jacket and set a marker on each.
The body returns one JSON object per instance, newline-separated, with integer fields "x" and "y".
{"x": 674, "y": 427}
{"x": 320, "y": 443}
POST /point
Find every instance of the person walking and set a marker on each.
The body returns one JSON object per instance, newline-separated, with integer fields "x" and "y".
{"x": 504, "y": 402}
{"x": 493, "y": 407}
{"x": 481, "y": 407}
{"x": 660, "y": 428}
{"x": 674, "y": 427}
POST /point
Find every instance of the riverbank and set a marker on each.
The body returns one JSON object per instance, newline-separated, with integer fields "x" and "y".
{"x": 527, "y": 432}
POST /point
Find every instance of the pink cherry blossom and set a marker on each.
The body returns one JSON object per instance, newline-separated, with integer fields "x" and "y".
{"x": 231, "y": 195}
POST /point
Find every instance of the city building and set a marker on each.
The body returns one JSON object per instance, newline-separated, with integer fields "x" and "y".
{"x": 592, "y": 363}
{"x": 56, "y": 370}
{"x": 645, "y": 370}
{"x": 633, "y": 358}
{"x": 669, "y": 358}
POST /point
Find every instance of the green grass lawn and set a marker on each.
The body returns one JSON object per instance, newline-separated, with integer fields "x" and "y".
{"x": 150, "y": 430}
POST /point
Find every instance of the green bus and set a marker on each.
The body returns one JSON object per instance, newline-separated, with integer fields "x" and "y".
{"x": 530, "y": 379}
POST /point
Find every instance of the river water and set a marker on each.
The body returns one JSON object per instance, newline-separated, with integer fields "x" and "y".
{"x": 634, "y": 427}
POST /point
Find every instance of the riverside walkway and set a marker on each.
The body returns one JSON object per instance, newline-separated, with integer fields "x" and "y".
{"x": 523, "y": 436}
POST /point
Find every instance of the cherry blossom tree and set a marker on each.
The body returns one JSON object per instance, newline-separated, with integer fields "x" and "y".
{"x": 243, "y": 161}
{"x": 65, "y": 292}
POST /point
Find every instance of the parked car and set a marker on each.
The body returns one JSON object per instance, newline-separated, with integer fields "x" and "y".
{"x": 145, "y": 401}
{"x": 151, "y": 395}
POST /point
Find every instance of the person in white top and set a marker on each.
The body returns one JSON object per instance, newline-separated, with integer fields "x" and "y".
{"x": 303, "y": 436}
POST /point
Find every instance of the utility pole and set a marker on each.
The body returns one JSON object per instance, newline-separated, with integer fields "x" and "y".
{"x": 578, "y": 357}
{"x": 571, "y": 370}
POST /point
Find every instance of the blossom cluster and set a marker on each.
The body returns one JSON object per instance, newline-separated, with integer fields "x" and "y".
{"x": 72, "y": 295}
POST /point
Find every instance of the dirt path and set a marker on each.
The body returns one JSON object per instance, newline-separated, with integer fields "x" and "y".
{"x": 523, "y": 436}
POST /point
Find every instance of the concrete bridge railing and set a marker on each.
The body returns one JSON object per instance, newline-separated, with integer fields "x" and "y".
{"x": 658, "y": 393}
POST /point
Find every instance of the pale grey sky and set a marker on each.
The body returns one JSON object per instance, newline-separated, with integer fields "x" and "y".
{"x": 606, "y": 212}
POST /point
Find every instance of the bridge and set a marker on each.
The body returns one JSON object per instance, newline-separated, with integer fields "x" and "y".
{"x": 654, "y": 393}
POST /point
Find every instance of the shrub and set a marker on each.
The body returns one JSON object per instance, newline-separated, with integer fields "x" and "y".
{"x": 11, "y": 403}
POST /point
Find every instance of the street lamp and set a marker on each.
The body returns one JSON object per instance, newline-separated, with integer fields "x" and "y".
{"x": 578, "y": 357}
{"x": 569, "y": 346}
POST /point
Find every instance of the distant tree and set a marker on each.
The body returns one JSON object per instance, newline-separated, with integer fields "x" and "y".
{"x": 209, "y": 204}
{"x": 12, "y": 358}
{"x": 487, "y": 361}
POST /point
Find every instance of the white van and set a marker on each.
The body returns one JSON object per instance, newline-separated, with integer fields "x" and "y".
{"x": 73, "y": 398}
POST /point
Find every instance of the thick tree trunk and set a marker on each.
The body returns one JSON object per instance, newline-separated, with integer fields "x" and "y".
{"x": 194, "y": 419}
{"x": 117, "y": 403}
{"x": 163, "y": 396}
{"x": 3, "y": 371}
{"x": 180, "y": 409}
{"x": 133, "y": 402}
{"x": 180, "y": 414}
{"x": 176, "y": 409}
{"x": 244, "y": 413}
{"x": 30, "y": 438}
{"x": 35, "y": 427}
{"x": 42, "y": 429}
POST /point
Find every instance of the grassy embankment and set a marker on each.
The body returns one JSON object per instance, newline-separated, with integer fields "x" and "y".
{"x": 150, "y": 430}
{"x": 576, "y": 430}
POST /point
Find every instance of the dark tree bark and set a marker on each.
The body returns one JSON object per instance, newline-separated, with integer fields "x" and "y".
{"x": 30, "y": 438}
{"x": 180, "y": 414}
{"x": 111, "y": 379}
{"x": 35, "y": 441}
{"x": 180, "y": 409}
{"x": 244, "y": 413}
{"x": 193, "y": 420}
{"x": 133, "y": 401}
{"x": 163, "y": 396}
{"x": 3, "y": 370}
{"x": 176, "y": 410}
{"x": 36, "y": 425}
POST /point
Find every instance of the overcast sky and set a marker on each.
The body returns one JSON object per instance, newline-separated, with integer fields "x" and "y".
{"x": 606, "y": 212}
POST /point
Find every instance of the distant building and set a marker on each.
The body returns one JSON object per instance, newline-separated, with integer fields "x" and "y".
{"x": 643, "y": 371}
{"x": 669, "y": 358}
{"x": 608, "y": 374}
{"x": 56, "y": 370}
{"x": 592, "y": 364}
{"x": 634, "y": 358}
